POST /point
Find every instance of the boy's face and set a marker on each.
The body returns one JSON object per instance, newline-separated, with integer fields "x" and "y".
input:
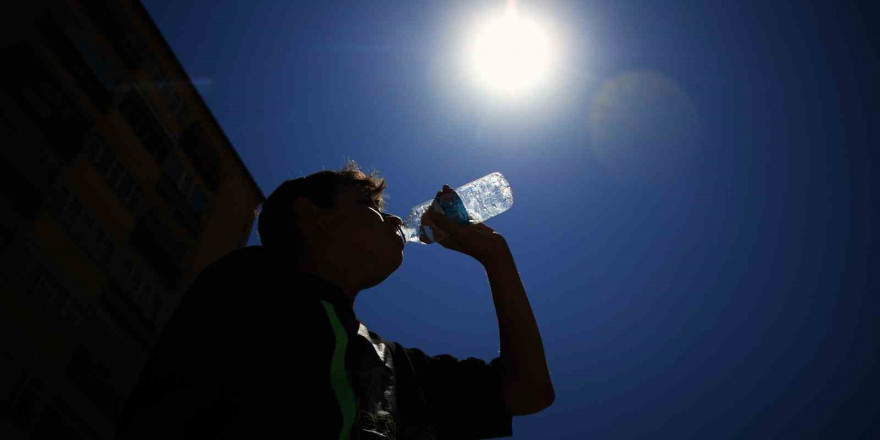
{"x": 366, "y": 241}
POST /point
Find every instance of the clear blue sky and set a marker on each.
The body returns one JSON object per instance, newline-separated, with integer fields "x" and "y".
{"x": 692, "y": 216}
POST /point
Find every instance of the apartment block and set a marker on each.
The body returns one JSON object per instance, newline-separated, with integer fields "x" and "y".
{"x": 118, "y": 187}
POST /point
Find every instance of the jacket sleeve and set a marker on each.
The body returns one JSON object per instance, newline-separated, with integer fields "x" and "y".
{"x": 463, "y": 398}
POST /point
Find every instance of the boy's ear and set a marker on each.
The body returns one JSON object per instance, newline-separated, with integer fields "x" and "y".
{"x": 304, "y": 207}
{"x": 309, "y": 213}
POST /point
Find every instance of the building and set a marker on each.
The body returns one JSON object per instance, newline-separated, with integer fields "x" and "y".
{"x": 118, "y": 187}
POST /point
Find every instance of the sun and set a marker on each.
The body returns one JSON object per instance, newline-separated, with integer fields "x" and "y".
{"x": 510, "y": 54}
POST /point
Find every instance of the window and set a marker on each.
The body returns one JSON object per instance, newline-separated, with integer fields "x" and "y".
{"x": 124, "y": 187}
{"x": 162, "y": 250}
{"x": 49, "y": 295}
{"x": 82, "y": 227}
{"x": 168, "y": 89}
{"x": 202, "y": 154}
{"x": 73, "y": 61}
{"x": 117, "y": 304}
{"x": 44, "y": 100}
{"x": 115, "y": 174}
{"x": 138, "y": 287}
{"x": 143, "y": 121}
{"x": 129, "y": 46}
{"x": 199, "y": 200}
{"x": 134, "y": 201}
{"x": 184, "y": 195}
{"x": 148, "y": 301}
{"x": 103, "y": 62}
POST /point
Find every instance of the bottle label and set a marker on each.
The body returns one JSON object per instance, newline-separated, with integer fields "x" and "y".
{"x": 452, "y": 207}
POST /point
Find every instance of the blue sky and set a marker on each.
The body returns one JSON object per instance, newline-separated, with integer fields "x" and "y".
{"x": 692, "y": 215}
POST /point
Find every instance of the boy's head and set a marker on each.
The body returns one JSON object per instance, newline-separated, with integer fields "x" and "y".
{"x": 334, "y": 217}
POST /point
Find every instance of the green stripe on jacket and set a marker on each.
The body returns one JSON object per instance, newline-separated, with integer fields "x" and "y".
{"x": 338, "y": 376}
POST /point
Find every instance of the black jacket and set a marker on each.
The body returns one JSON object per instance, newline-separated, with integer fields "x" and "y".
{"x": 251, "y": 350}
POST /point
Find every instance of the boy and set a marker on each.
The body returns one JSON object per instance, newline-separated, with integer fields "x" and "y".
{"x": 266, "y": 342}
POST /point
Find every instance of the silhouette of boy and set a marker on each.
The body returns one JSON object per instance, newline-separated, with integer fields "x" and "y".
{"x": 265, "y": 342}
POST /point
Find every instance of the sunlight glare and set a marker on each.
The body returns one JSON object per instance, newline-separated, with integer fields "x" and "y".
{"x": 511, "y": 54}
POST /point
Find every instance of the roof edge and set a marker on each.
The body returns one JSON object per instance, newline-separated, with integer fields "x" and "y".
{"x": 141, "y": 9}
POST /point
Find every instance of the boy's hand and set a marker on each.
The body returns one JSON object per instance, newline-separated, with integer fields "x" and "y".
{"x": 477, "y": 240}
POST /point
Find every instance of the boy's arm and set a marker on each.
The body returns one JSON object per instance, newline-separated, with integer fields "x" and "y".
{"x": 526, "y": 380}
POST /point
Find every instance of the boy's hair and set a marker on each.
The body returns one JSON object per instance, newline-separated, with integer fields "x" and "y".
{"x": 278, "y": 224}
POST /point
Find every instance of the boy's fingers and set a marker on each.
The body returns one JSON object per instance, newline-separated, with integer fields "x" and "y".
{"x": 483, "y": 227}
{"x": 440, "y": 220}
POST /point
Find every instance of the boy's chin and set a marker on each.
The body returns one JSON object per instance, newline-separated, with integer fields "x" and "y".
{"x": 380, "y": 277}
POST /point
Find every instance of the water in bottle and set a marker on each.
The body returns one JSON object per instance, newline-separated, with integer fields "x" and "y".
{"x": 475, "y": 202}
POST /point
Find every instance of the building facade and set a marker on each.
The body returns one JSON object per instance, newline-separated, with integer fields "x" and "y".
{"x": 118, "y": 187}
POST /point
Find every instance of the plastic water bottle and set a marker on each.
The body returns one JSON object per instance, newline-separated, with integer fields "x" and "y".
{"x": 475, "y": 202}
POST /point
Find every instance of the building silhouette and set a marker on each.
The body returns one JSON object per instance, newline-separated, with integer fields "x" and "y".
{"x": 118, "y": 187}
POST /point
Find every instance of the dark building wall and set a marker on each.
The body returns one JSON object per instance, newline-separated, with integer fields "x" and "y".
{"x": 118, "y": 187}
